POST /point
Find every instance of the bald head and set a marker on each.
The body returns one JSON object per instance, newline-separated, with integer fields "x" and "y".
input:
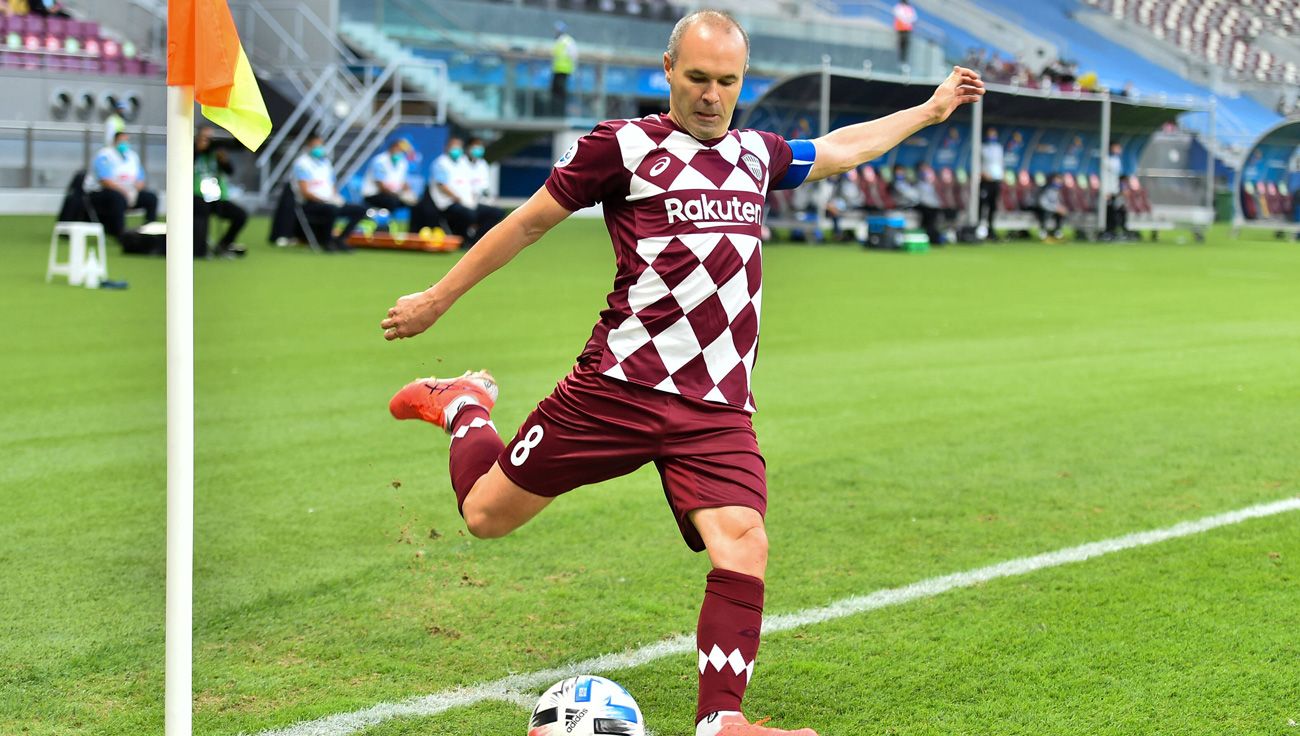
{"x": 713, "y": 20}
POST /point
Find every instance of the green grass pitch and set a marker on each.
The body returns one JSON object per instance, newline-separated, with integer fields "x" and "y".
{"x": 921, "y": 415}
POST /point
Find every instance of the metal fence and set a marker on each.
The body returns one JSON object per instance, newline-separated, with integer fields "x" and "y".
{"x": 44, "y": 155}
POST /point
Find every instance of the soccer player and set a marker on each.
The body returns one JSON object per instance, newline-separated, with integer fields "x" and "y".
{"x": 665, "y": 375}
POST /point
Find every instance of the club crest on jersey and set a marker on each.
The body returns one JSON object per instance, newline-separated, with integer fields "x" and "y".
{"x": 752, "y": 163}
{"x": 568, "y": 156}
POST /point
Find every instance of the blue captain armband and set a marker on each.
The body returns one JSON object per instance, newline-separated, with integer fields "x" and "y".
{"x": 805, "y": 153}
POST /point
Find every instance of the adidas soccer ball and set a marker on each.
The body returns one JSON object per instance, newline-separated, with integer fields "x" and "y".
{"x": 586, "y": 706}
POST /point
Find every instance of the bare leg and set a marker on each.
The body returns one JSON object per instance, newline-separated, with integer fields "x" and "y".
{"x": 497, "y": 506}
{"x": 735, "y": 538}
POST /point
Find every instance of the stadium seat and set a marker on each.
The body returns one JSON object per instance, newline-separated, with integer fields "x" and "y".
{"x": 871, "y": 186}
{"x": 1026, "y": 191}
{"x": 1249, "y": 206}
{"x": 1007, "y": 200}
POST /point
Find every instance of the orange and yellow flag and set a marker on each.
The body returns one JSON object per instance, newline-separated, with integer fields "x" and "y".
{"x": 203, "y": 51}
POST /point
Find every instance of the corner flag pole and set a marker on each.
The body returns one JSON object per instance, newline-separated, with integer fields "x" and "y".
{"x": 179, "y": 699}
{"x": 205, "y": 62}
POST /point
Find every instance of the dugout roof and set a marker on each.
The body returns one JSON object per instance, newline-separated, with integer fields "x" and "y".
{"x": 873, "y": 96}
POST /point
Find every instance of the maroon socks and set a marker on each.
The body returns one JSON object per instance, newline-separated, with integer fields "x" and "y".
{"x": 731, "y": 621}
{"x": 475, "y": 445}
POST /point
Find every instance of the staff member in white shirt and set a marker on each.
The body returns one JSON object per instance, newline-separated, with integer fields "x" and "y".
{"x": 1116, "y": 208}
{"x": 386, "y": 184}
{"x": 486, "y": 215}
{"x": 313, "y": 175}
{"x": 450, "y": 196}
{"x": 118, "y": 186}
{"x": 991, "y": 172}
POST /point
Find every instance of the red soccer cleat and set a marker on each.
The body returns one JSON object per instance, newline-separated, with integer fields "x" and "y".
{"x": 735, "y": 725}
{"x": 436, "y": 400}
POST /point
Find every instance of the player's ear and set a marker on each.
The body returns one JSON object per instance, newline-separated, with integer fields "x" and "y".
{"x": 668, "y": 65}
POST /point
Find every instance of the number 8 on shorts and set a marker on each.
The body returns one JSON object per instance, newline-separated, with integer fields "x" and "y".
{"x": 519, "y": 455}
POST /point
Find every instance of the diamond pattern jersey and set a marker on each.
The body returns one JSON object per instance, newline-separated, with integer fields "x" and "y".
{"x": 685, "y": 218}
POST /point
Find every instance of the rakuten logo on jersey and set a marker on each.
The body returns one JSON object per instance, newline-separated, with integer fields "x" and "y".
{"x": 706, "y": 211}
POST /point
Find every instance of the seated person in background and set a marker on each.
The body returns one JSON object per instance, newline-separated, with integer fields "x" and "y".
{"x": 118, "y": 186}
{"x": 211, "y": 167}
{"x": 486, "y": 216}
{"x": 313, "y": 175}
{"x": 386, "y": 184}
{"x": 842, "y": 196}
{"x": 928, "y": 204}
{"x": 451, "y": 192}
{"x": 1051, "y": 204}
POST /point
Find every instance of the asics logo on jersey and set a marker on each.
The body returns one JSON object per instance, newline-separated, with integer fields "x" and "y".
{"x": 705, "y": 210}
{"x": 660, "y": 165}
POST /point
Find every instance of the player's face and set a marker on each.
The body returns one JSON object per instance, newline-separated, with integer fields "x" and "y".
{"x": 705, "y": 82}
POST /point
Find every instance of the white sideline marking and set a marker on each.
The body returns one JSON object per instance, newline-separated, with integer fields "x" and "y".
{"x": 516, "y": 689}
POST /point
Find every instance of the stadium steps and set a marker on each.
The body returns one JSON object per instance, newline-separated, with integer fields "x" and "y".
{"x": 462, "y": 105}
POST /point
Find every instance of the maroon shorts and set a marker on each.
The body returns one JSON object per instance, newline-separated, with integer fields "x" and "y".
{"x": 593, "y": 428}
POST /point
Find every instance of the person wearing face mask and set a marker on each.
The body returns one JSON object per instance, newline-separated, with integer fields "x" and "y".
{"x": 451, "y": 189}
{"x": 313, "y": 175}
{"x": 118, "y": 186}
{"x": 386, "y": 184}
{"x": 486, "y": 215}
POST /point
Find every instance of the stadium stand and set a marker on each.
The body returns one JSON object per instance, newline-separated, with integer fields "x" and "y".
{"x": 1222, "y": 32}
{"x": 498, "y": 53}
{"x": 1116, "y": 63}
{"x": 34, "y": 42}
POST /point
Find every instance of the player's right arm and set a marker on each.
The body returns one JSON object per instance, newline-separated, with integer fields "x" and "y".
{"x": 415, "y": 313}
{"x": 590, "y": 171}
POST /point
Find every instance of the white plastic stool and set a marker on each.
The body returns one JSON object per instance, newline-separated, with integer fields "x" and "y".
{"x": 83, "y": 268}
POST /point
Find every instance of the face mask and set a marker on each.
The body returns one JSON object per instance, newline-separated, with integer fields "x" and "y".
{"x": 397, "y": 158}
{"x": 455, "y": 153}
{"x": 318, "y": 152}
{"x": 476, "y": 151}
{"x": 123, "y": 147}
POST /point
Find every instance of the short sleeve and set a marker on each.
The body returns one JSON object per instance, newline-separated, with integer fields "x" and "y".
{"x": 300, "y": 172}
{"x": 791, "y": 161}
{"x": 103, "y": 167}
{"x": 441, "y": 171}
{"x": 590, "y": 171}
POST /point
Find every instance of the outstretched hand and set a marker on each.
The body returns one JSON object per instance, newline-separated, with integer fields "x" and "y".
{"x": 962, "y": 87}
{"x": 413, "y": 314}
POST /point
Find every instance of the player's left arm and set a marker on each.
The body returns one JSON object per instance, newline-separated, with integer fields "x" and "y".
{"x": 853, "y": 145}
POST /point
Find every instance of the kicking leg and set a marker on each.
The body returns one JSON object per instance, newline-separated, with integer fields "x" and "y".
{"x": 731, "y": 619}
{"x": 496, "y": 506}
{"x": 492, "y": 504}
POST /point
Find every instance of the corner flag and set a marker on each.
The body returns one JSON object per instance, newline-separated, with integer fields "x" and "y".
{"x": 203, "y": 51}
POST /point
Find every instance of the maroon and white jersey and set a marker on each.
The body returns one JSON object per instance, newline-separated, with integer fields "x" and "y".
{"x": 685, "y": 218}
